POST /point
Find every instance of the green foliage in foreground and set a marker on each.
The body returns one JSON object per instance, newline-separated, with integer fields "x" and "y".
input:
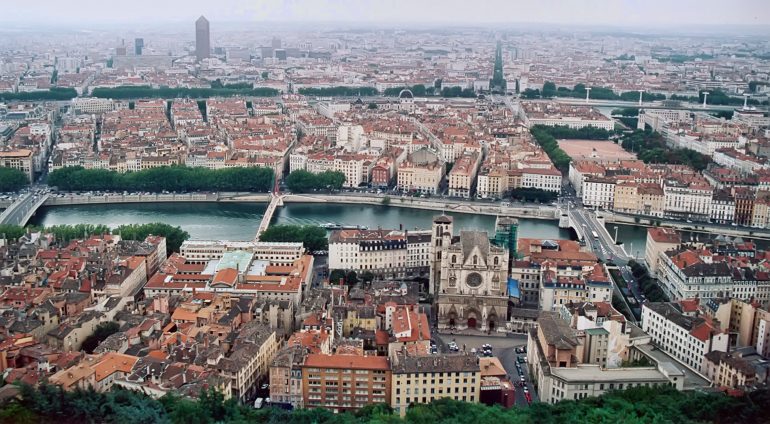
{"x": 637, "y": 405}
{"x": 11, "y": 179}
{"x": 175, "y": 236}
{"x": 313, "y": 237}
{"x": 171, "y": 178}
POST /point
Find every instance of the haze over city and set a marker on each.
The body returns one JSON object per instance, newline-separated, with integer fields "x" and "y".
{"x": 637, "y": 13}
{"x": 344, "y": 211}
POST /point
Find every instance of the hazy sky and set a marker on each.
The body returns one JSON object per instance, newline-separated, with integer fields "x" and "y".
{"x": 655, "y": 13}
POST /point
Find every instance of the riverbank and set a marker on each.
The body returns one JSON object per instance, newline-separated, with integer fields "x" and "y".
{"x": 434, "y": 204}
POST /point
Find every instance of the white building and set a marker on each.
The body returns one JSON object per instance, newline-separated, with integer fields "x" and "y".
{"x": 599, "y": 192}
{"x": 684, "y": 337}
{"x": 543, "y": 179}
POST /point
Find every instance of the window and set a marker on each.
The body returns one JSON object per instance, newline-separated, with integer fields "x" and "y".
{"x": 475, "y": 259}
{"x": 454, "y": 259}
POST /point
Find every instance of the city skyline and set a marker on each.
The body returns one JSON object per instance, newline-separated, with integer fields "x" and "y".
{"x": 628, "y": 13}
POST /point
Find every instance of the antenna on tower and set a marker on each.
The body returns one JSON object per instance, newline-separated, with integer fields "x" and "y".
{"x": 588, "y": 94}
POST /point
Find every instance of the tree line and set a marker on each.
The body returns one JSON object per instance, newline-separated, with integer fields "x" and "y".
{"x": 418, "y": 90}
{"x": 312, "y": 237}
{"x": 301, "y": 181}
{"x": 652, "y": 291}
{"x": 175, "y": 236}
{"x": 597, "y": 93}
{"x": 338, "y": 91}
{"x": 48, "y": 403}
{"x": 55, "y": 93}
{"x": 650, "y": 147}
{"x": 12, "y": 179}
{"x": 147, "y": 92}
{"x": 170, "y": 178}
{"x": 719, "y": 98}
{"x": 551, "y": 147}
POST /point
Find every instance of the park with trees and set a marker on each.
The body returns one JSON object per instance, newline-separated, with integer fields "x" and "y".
{"x": 168, "y": 178}
{"x": 650, "y": 147}
{"x": 47, "y": 403}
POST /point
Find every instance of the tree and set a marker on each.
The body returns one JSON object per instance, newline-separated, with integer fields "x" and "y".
{"x": 175, "y": 236}
{"x": 336, "y": 275}
{"x": 367, "y": 277}
{"x": 12, "y": 179}
{"x": 265, "y": 75}
{"x": 169, "y": 178}
{"x": 301, "y": 181}
{"x": 338, "y": 91}
{"x": 65, "y": 233}
{"x": 11, "y": 232}
{"x": 102, "y": 331}
{"x": 147, "y": 92}
{"x": 29, "y": 96}
{"x": 313, "y": 237}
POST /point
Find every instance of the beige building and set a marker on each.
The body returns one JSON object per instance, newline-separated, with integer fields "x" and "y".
{"x": 422, "y": 379}
{"x": 286, "y": 376}
{"x": 422, "y": 171}
{"x": 659, "y": 240}
{"x": 250, "y": 359}
{"x": 462, "y": 177}
{"x": 20, "y": 159}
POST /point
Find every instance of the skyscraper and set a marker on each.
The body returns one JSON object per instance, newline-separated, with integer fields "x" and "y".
{"x": 202, "y": 39}
{"x": 138, "y": 46}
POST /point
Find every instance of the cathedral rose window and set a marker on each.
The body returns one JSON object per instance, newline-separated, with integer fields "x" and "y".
{"x": 473, "y": 279}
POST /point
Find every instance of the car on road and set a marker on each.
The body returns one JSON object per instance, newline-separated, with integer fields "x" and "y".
{"x": 259, "y": 403}
{"x": 520, "y": 359}
{"x": 264, "y": 386}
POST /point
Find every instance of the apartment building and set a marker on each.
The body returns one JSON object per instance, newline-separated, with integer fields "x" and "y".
{"x": 659, "y": 240}
{"x": 422, "y": 171}
{"x": 685, "y": 337}
{"x": 599, "y": 192}
{"x": 462, "y": 177}
{"x": 684, "y": 274}
{"x": 345, "y": 382}
{"x": 422, "y": 379}
{"x": 555, "y": 366}
{"x": 548, "y": 179}
{"x": 21, "y": 159}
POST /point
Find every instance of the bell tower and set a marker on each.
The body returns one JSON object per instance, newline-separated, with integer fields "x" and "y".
{"x": 441, "y": 238}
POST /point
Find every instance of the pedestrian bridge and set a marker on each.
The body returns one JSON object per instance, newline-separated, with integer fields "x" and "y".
{"x": 276, "y": 200}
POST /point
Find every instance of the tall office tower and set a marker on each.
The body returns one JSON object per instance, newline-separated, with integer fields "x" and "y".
{"x": 138, "y": 46}
{"x": 202, "y": 39}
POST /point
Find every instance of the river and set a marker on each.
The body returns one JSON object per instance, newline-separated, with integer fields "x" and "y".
{"x": 239, "y": 221}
